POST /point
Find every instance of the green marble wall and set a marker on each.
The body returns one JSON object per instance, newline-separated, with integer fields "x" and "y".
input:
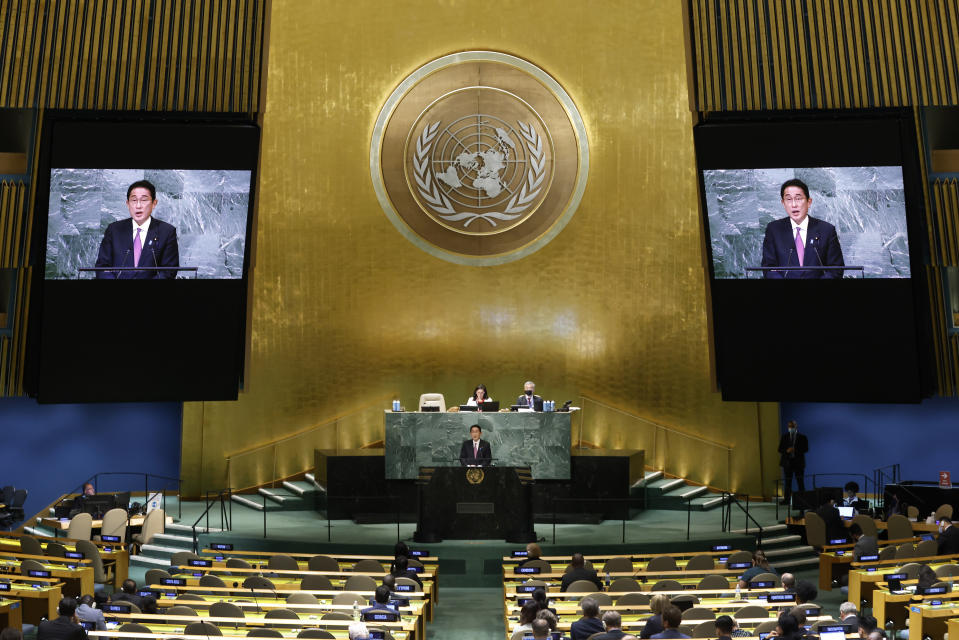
{"x": 538, "y": 440}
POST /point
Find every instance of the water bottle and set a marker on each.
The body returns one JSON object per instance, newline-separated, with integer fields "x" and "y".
{"x": 607, "y": 580}
{"x": 356, "y": 611}
{"x": 396, "y": 405}
{"x": 738, "y": 591}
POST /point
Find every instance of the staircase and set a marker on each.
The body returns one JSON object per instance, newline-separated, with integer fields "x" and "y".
{"x": 785, "y": 551}
{"x": 291, "y": 495}
{"x": 157, "y": 554}
{"x": 674, "y": 493}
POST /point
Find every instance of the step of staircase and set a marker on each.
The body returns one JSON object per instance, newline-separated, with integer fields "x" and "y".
{"x": 288, "y": 500}
{"x": 782, "y": 565}
{"x": 664, "y": 485}
{"x": 300, "y": 488}
{"x": 254, "y": 503}
{"x": 766, "y": 529}
{"x": 150, "y": 562}
{"x": 153, "y": 550}
{"x": 171, "y": 540}
{"x": 39, "y": 531}
{"x": 312, "y": 479}
{"x": 648, "y": 477}
{"x": 187, "y": 530}
{"x": 780, "y": 540}
{"x": 802, "y": 549}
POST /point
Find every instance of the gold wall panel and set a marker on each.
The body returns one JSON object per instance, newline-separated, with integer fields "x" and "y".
{"x": 347, "y": 312}
{"x": 797, "y": 54}
{"x": 181, "y": 55}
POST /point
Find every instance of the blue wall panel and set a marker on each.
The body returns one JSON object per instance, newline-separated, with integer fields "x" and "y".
{"x": 857, "y": 438}
{"x": 50, "y": 449}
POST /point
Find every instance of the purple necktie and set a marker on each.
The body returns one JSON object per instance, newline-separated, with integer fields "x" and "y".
{"x": 476, "y": 450}
{"x": 800, "y": 248}
{"x": 137, "y": 249}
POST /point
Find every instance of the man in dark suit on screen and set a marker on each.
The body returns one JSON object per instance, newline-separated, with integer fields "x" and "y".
{"x": 800, "y": 240}
{"x": 141, "y": 241}
{"x": 476, "y": 452}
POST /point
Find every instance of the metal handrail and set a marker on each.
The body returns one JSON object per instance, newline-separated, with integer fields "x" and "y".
{"x": 231, "y": 458}
{"x": 729, "y": 499}
{"x": 226, "y": 513}
{"x": 626, "y": 502}
{"x": 659, "y": 441}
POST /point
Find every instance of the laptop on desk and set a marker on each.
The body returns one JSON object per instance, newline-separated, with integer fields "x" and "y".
{"x": 846, "y": 513}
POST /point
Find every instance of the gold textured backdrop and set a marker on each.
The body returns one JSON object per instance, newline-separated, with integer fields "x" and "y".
{"x": 346, "y": 312}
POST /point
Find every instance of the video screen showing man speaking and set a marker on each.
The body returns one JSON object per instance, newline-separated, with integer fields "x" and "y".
{"x": 125, "y": 241}
{"x": 845, "y": 216}
{"x": 192, "y": 219}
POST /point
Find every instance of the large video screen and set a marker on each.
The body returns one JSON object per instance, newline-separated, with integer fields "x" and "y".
{"x": 861, "y": 212}
{"x": 814, "y": 243}
{"x": 141, "y": 256}
{"x": 200, "y": 215}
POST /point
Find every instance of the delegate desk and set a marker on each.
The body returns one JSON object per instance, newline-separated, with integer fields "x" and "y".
{"x": 77, "y": 577}
{"x": 864, "y": 576}
{"x": 62, "y": 524}
{"x": 110, "y": 553}
{"x": 537, "y": 440}
{"x": 887, "y": 605}
{"x": 10, "y": 614}
{"x": 38, "y": 597}
{"x": 837, "y": 556}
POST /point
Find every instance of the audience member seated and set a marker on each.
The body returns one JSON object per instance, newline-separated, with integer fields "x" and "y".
{"x": 865, "y": 545}
{"x": 88, "y": 612}
{"x": 401, "y": 569}
{"x": 128, "y": 593}
{"x": 788, "y": 582}
{"x": 835, "y": 529}
{"x": 788, "y": 628}
{"x": 948, "y": 537}
{"x": 580, "y": 572}
{"x": 399, "y": 549}
{"x": 613, "y": 623}
{"x": 867, "y": 624}
{"x": 11, "y": 633}
{"x": 849, "y": 616}
{"x": 549, "y": 617}
{"x": 381, "y": 600}
{"x": 526, "y": 616}
{"x": 358, "y": 631}
{"x": 533, "y": 552}
{"x": 65, "y": 627}
{"x": 654, "y": 624}
{"x": 849, "y": 498}
{"x": 79, "y": 501}
{"x": 589, "y": 623}
{"x": 760, "y": 565}
{"x": 542, "y": 602}
{"x": 672, "y": 618}
{"x": 878, "y": 634}
{"x": 805, "y": 592}
{"x": 540, "y": 629}
{"x": 389, "y": 581}
{"x": 727, "y": 627}
{"x": 925, "y": 578}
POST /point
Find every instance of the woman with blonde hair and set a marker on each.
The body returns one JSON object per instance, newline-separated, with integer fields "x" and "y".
{"x": 657, "y": 605}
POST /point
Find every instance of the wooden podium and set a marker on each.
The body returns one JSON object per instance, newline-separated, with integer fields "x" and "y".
{"x": 486, "y": 503}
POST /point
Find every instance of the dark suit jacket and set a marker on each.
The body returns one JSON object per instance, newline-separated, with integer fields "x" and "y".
{"x": 585, "y": 627}
{"x": 145, "y": 604}
{"x": 798, "y": 459}
{"x": 670, "y": 633}
{"x": 484, "y": 458}
{"x": 523, "y": 401}
{"x": 581, "y": 573}
{"x": 949, "y": 541}
{"x": 615, "y": 634}
{"x": 160, "y": 249}
{"x": 62, "y": 628}
{"x": 822, "y": 243}
{"x": 835, "y": 529}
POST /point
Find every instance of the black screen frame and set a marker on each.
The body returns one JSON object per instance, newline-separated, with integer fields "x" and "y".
{"x": 189, "y": 335}
{"x": 862, "y": 340}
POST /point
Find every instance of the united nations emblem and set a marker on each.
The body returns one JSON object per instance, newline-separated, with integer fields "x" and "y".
{"x": 475, "y": 475}
{"x": 479, "y": 158}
